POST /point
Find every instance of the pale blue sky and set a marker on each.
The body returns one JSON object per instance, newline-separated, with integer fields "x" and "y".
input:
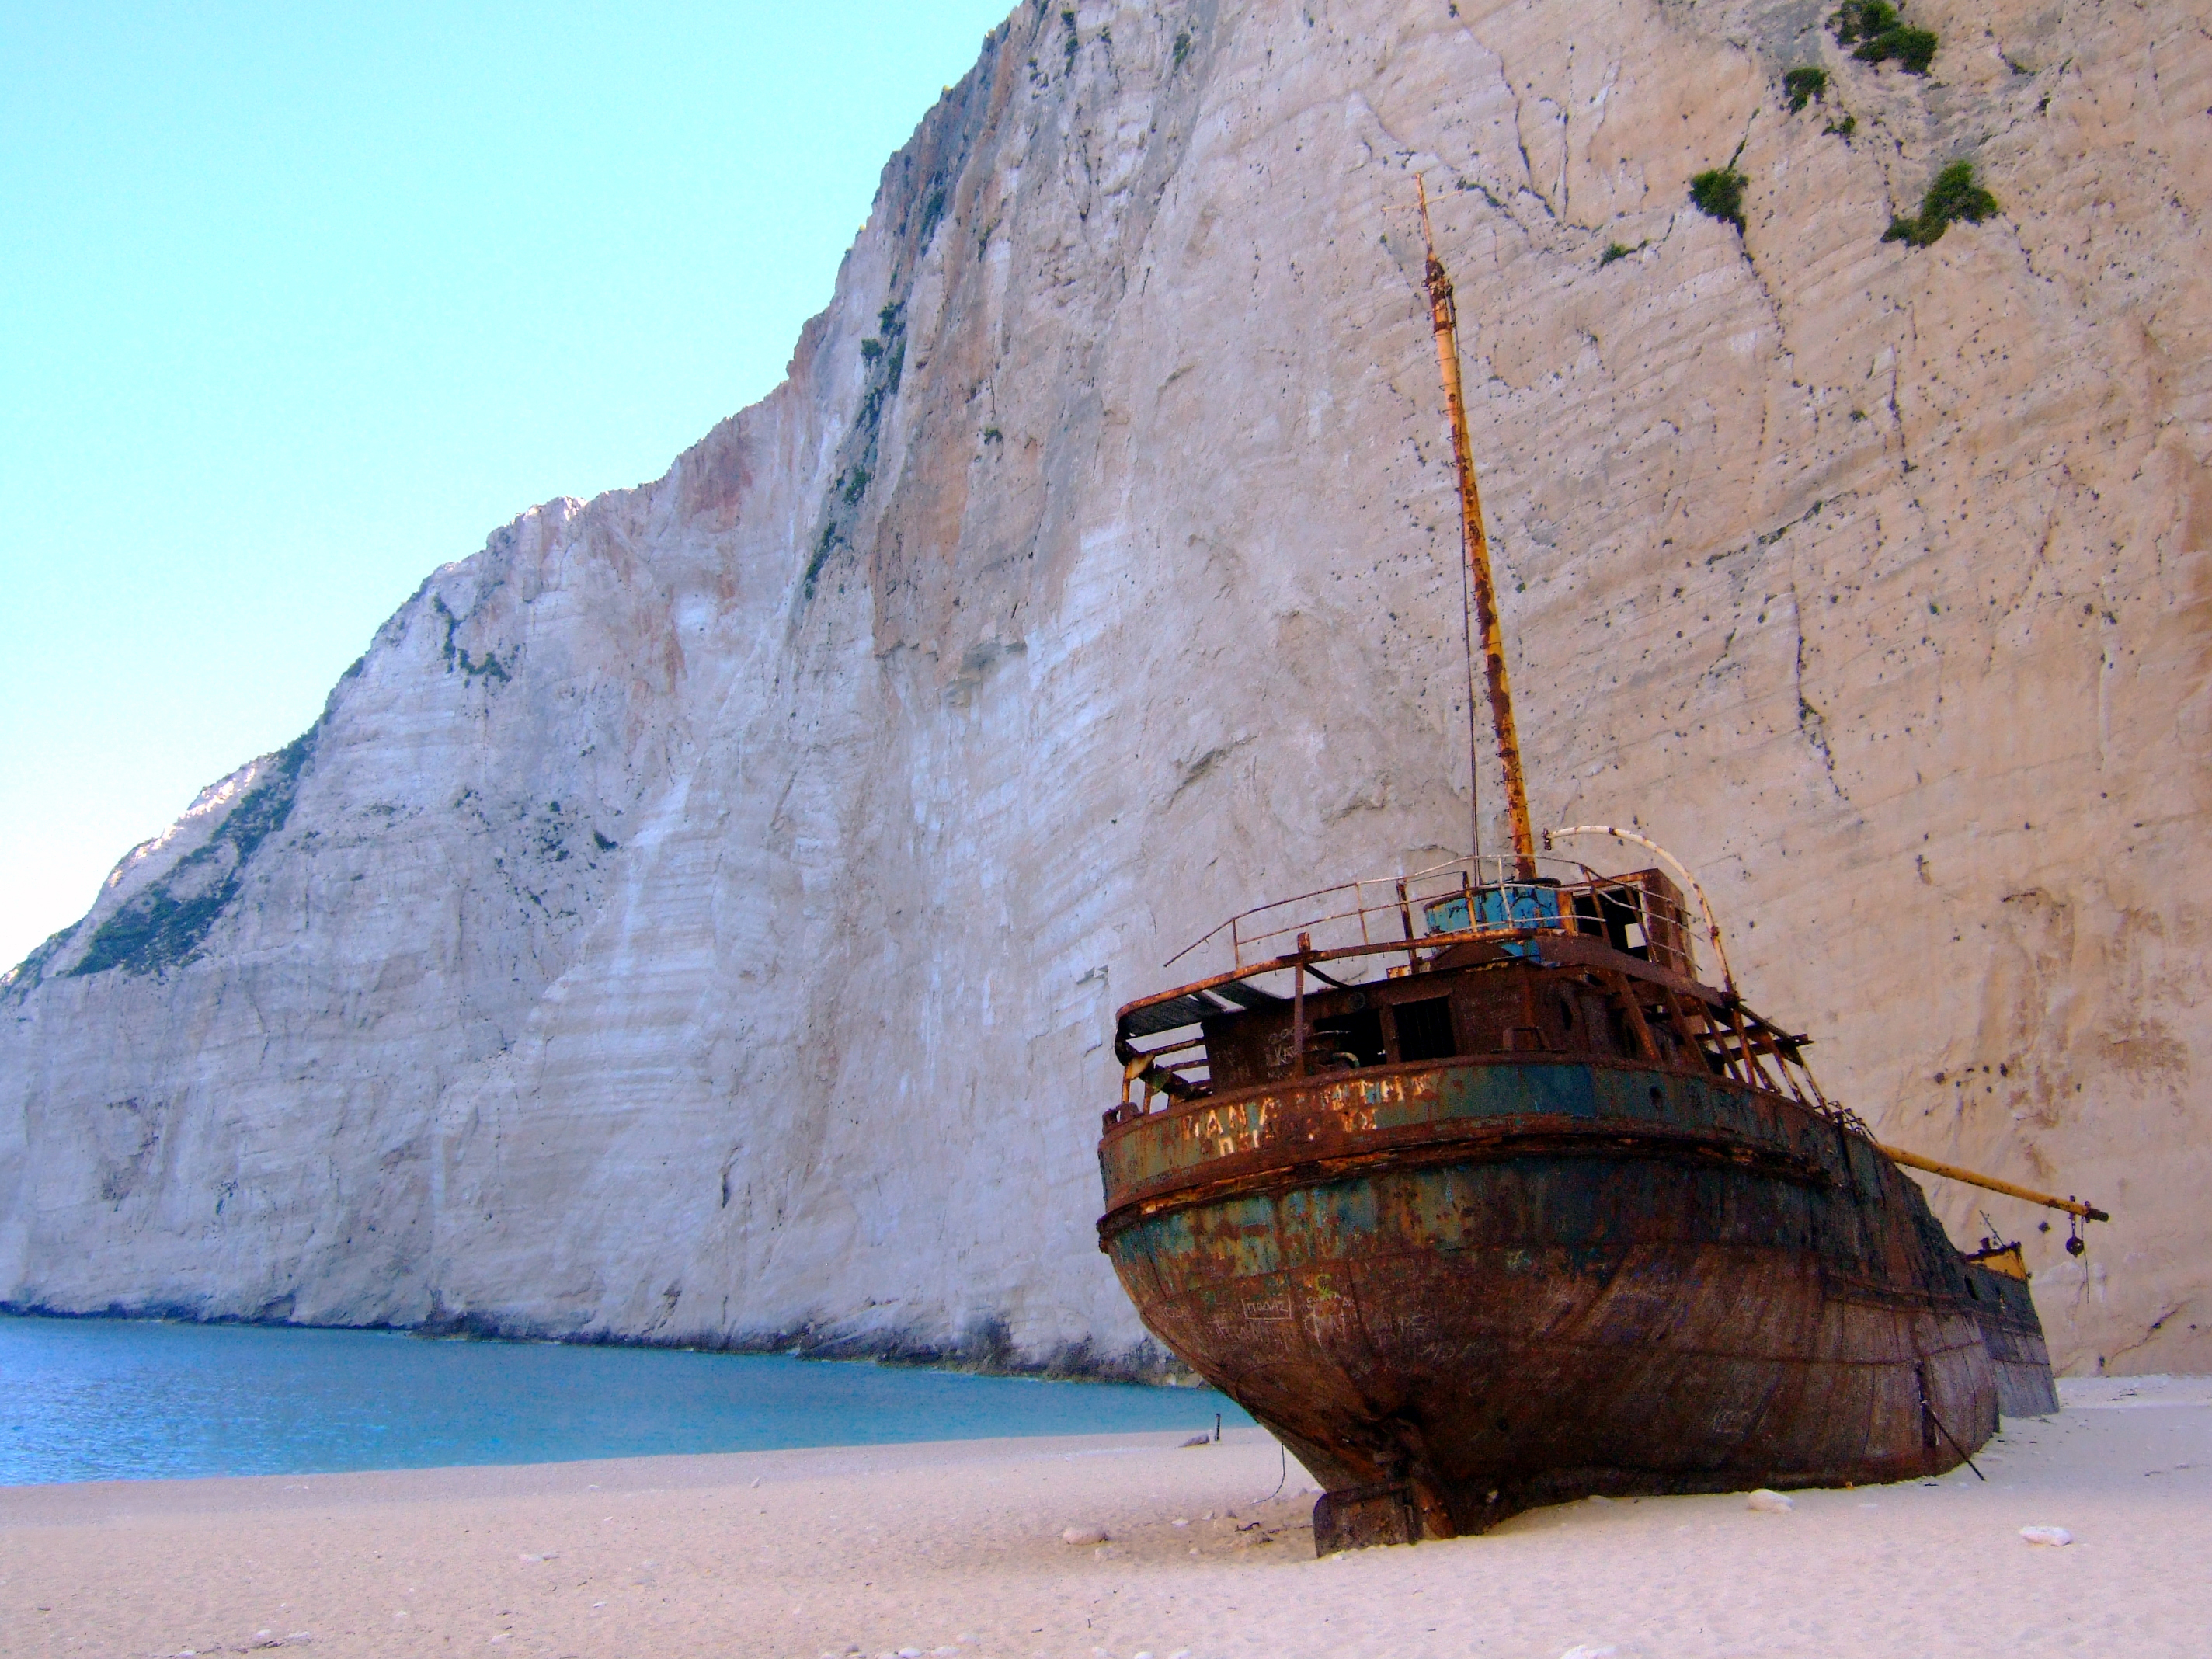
{"x": 299, "y": 302}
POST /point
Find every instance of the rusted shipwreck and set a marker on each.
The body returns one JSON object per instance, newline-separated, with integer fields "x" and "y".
{"x": 1468, "y": 1185}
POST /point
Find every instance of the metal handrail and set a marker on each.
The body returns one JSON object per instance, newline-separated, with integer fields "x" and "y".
{"x": 1379, "y": 912}
{"x": 1734, "y": 1039}
{"x": 1712, "y": 922}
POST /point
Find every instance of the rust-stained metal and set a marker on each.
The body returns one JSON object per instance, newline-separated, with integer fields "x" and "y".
{"x": 2073, "y": 1206}
{"x": 2004, "y": 1308}
{"x": 1443, "y": 320}
{"x": 1537, "y": 1215}
{"x": 1465, "y": 1184}
{"x": 1705, "y": 904}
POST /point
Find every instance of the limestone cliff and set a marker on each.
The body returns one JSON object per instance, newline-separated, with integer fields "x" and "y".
{"x": 698, "y": 917}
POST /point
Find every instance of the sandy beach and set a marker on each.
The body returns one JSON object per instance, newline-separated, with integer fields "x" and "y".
{"x": 959, "y": 1547}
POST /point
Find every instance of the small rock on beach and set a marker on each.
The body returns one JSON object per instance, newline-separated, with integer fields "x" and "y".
{"x": 1082, "y": 1535}
{"x": 1769, "y": 1503}
{"x": 2053, "y": 1535}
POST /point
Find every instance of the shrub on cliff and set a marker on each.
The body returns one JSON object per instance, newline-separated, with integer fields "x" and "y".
{"x": 1719, "y": 191}
{"x": 1879, "y": 34}
{"x": 1803, "y": 86}
{"x": 1954, "y": 196}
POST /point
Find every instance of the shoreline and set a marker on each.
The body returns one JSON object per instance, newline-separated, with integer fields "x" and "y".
{"x": 987, "y": 1353}
{"x": 874, "y": 1549}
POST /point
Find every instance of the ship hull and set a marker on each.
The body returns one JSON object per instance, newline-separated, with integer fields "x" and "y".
{"x": 1459, "y": 1290}
{"x": 2012, "y": 1332}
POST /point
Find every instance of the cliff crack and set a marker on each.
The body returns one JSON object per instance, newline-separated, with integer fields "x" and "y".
{"x": 1812, "y": 721}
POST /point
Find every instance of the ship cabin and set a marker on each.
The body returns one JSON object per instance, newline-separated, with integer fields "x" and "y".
{"x": 1470, "y": 959}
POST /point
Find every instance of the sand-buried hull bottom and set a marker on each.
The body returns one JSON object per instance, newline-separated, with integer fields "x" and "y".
{"x": 1460, "y": 1289}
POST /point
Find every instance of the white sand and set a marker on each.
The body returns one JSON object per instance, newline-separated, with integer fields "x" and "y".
{"x": 873, "y": 1550}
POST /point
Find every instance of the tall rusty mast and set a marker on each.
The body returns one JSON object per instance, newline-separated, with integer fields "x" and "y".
{"x": 1443, "y": 319}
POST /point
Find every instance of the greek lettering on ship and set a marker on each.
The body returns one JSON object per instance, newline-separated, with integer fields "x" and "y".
{"x": 1222, "y": 1131}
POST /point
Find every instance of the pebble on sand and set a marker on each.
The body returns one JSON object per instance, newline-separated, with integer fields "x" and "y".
{"x": 1583, "y": 1651}
{"x": 2046, "y": 1535}
{"x": 1083, "y": 1535}
{"x": 1770, "y": 1503}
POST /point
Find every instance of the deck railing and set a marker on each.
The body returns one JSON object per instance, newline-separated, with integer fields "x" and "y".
{"x": 1466, "y": 901}
{"x": 1358, "y": 926}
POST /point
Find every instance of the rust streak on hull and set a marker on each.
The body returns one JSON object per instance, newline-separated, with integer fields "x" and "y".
{"x": 1460, "y": 1287}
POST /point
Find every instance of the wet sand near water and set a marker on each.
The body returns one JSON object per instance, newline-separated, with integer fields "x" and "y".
{"x": 959, "y": 1546}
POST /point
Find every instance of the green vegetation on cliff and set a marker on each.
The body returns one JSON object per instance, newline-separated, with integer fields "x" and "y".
{"x": 1954, "y": 196}
{"x": 162, "y": 926}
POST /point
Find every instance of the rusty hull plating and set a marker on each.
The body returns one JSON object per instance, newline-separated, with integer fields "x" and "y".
{"x": 1533, "y": 1214}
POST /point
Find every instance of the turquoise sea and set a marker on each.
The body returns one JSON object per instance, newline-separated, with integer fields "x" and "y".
{"x": 127, "y": 1400}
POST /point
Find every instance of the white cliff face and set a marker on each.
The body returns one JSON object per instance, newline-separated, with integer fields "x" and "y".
{"x": 700, "y": 915}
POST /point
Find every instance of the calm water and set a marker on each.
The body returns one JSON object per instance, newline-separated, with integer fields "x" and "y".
{"x": 118, "y": 1398}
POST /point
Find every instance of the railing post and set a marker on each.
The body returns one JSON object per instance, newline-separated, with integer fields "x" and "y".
{"x": 1619, "y": 984}
{"x": 1406, "y": 920}
{"x": 1755, "y": 1073}
{"x": 1299, "y": 1007}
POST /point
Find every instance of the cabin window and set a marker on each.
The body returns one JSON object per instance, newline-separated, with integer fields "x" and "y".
{"x": 1353, "y": 1038}
{"x": 1424, "y": 1029}
{"x": 1588, "y": 919}
{"x": 1624, "y": 921}
{"x": 1615, "y": 914}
